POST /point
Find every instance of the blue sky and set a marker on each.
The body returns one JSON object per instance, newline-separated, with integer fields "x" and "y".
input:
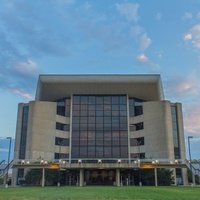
{"x": 105, "y": 36}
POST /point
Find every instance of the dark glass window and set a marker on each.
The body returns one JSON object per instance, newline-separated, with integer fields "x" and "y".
{"x": 175, "y": 133}
{"x": 135, "y": 107}
{"x": 99, "y": 126}
{"x": 62, "y": 127}
{"x": 137, "y": 127}
{"x": 61, "y": 156}
{"x": 137, "y": 141}
{"x": 22, "y": 150}
{"x": 138, "y": 155}
{"x": 63, "y": 107}
{"x": 61, "y": 141}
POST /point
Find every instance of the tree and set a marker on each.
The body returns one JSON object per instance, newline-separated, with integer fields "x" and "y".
{"x": 33, "y": 177}
{"x": 165, "y": 177}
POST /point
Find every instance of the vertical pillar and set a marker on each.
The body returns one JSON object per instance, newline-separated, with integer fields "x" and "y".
{"x": 193, "y": 178}
{"x": 185, "y": 176}
{"x": 174, "y": 172}
{"x": 43, "y": 177}
{"x": 118, "y": 177}
{"x": 81, "y": 182}
{"x": 156, "y": 177}
{"x": 14, "y": 177}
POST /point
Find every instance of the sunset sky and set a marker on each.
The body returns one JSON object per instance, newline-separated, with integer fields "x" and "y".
{"x": 100, "y": 36}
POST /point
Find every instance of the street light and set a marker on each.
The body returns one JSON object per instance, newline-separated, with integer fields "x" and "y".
{"x": 10, "y": 141}
{"x": 190, "y": 137}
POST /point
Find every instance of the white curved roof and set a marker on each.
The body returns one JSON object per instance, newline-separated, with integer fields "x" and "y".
{"x": 146, "y": 87}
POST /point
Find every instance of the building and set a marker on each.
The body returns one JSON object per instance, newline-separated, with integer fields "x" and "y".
{"x": 101, "y": 127}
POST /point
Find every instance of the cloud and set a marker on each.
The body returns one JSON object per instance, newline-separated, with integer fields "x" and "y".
{"x": 187, "y": 15}
{"x": 136, "y": 30}
{"x": 129, "y": 11}
{"x": 183, "y": 87}
{"x": 158, "y": 16}
{"x": 144, "y": 41}
{"x": 22, "y": 94}
{"x": 193, "y": 36}
{"x": 192, "y": 119}
{"x": 27, "y": 68}
{"x": 142, "y": 58}
{"x": 188, "y": 36}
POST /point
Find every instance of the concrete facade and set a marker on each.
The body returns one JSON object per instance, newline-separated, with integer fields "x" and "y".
{"x": 157, "y": 131}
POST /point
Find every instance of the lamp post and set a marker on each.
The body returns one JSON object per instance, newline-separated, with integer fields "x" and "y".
{"x": 193, "y": 177}
{"x": 6, "y": 179}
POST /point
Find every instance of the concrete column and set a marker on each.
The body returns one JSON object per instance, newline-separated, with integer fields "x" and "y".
{"x": 14, "y": 177}
{"x": 81, "y": 181}
{"x": 185, "y": 176}
{"x": 155, "y": 176}
{"x": 174, "y": 172}
{"x": 118, "y": 177}
{"x": 43, "y": 177}
{"x": 193, "y": 178}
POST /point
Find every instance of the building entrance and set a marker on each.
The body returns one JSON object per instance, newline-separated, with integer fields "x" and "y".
{"x": 99, "y": 177}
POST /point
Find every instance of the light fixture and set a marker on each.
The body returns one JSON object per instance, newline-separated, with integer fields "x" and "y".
{"x": 28, "y": 162}
{"x": 171, "y": 162}
{"x": 79, "y": 161}
{"x": 119, "y": 161}
{"x": 22, "y": 162}
{"x": 42, "y": 161}
{"x": 63, "y": 162}
{"x": 99, "y": 161}
{"x": 135, "y": 161}
{"x": 45, "y": 162}
{"x": 176, "y": 161}
{"x": 157, "y": 161}
{"x": 153, "y": 162}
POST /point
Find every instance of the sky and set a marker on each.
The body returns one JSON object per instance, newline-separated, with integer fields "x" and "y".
{"x": 100, "y": 37}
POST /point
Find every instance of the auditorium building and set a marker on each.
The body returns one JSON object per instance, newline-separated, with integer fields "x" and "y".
{"x": 99, "y": 129}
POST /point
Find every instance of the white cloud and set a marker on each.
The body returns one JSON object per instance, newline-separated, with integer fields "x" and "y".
{"x": 28, "y": 67}
{"x": 193, "y": 35}
{"x": 187, "y": 15}
{"x": 192, "y": 119}
{"x": 142, "y": 58}
{"x": 23, "y": 94}
{"x": 158, "y": 16}
{"x": 136, "y": 30}
{"x": 187, "y": 36}
{"x": 128, "y": 10}
{"x": 144, "y": 41}
{"x": 185, "y": 87}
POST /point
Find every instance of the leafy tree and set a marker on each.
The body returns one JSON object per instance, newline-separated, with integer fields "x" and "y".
{"x": 33, "y": 177}
{"x": 165, "y": 177}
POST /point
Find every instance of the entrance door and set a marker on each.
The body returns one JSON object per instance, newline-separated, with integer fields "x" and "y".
{"x": 99, "y": 177}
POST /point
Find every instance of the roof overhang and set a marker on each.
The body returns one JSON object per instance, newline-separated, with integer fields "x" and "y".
{"x": 53, "y": 87}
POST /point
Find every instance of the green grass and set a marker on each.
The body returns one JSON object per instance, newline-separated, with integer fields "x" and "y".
{"x": 100, "y": 193}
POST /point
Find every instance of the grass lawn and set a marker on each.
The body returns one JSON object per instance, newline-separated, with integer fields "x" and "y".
{"x": 97, "y": 193}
